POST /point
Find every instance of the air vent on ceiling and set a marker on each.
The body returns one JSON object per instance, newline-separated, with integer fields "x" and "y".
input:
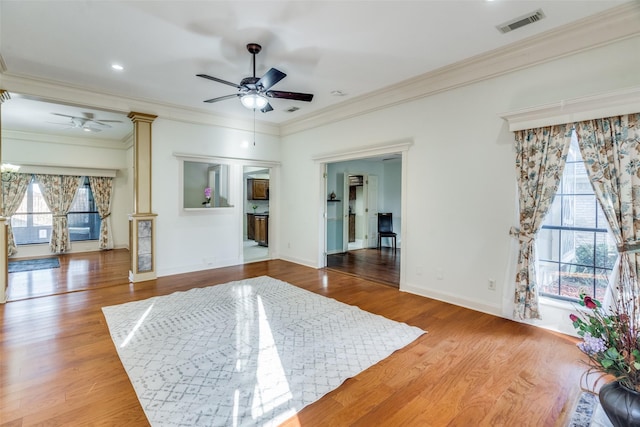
{"x": 521, "y": 21}
{"x": 292, "y": 109}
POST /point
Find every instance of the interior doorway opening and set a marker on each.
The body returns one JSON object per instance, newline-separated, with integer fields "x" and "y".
{"x": 358, "y": 189}
{"x": 255, "y": 230}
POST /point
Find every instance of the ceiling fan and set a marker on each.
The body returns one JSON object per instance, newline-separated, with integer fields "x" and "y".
{"x": 87, "y": 122}
{"x": 253, "y": 91}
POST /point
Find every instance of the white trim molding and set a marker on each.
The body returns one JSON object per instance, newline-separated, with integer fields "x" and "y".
{"x": 364, "y": 152}
{"x": 609, "y": 104}
{"x": 65, "y": 170}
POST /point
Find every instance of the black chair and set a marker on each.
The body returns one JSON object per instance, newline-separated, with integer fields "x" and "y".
{"x": 385, "y": 228}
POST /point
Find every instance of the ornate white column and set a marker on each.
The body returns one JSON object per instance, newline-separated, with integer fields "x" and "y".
{"x": 4, "y": 253}
{"x": 142, "y": 227}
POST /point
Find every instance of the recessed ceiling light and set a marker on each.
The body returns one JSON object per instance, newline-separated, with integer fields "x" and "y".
{"x": 117, "y": 67}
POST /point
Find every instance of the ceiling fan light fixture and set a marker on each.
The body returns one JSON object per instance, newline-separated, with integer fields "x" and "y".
{"x": 253, "y": 100}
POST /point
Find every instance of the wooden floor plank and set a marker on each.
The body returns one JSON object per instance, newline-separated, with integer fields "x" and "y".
{"x": 58, "y": 364}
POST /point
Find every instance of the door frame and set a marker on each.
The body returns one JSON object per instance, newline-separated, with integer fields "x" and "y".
{"x": 398, "y": 147}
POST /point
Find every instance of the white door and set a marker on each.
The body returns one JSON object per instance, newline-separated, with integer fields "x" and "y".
{"x": 345, "y": 213}
{"x": 371, "y": 184}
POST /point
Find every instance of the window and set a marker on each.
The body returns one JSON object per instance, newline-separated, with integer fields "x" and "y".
{"x": 574, "y": 247}
{"x": 32, "y": 221}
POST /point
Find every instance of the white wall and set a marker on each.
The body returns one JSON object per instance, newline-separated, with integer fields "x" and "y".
{"x": 461, "y": 197}
{"x": 207, "y": 238}
{"x": 392, "y": 190}
{"x": 389, "y": 186}
{"x": 34, "y": 149}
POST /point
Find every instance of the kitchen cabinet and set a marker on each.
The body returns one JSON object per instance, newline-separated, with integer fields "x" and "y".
{"x": 257, "y": 189}
{"x": 262, "y": 230}
{"x": 251, "y": 226}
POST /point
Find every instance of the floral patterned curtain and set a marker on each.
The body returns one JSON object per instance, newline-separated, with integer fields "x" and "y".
{"x": 58, "y": 192}
{"x": 14, "y": 187}
{"x": 101, "y": 188}
{"x": 540, "y": 158}
{"x": 611, "y": 151}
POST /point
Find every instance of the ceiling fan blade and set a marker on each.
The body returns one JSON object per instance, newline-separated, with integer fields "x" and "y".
{"x": 295, "y": 96}
{"x": 64, "y": 115}
{"x": 222, "y": 98}
{"x": 267, "y": 108}
{"x": 272, "y": 77}
{"x": 215, "y": 79}
{"x": 99, "y": 123}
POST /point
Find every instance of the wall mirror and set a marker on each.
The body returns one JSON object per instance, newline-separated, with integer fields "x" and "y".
{"x": 205, "y": 185}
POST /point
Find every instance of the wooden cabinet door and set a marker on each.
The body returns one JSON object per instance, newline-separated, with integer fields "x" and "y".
{"x": 251, "y": 227}
{"x": 262, "y": 230}
{"x": 258, "y": 189}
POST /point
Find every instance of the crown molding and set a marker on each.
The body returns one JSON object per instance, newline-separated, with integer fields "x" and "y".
{"x": 608, "y": 104}
{"x": 616, "y": 24}
{"x": 365, "y": 151}
{"x": 54, "y": 91}
{"x": 111, "y": 144}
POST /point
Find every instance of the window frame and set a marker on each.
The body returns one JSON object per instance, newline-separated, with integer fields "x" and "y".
{"x": 598, "y": 229}
{"x": 28, "y": 229}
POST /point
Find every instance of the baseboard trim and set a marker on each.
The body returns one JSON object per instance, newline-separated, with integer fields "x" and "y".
{"x": 493, "y": 310}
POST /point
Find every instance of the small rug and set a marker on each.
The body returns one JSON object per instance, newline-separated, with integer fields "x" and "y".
{"x": 589, "y": 413}
{"x": 247, "y": 353}
{"x": 33, "y": 264}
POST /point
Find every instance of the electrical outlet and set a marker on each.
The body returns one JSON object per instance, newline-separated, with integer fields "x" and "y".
{"x": 492, "y": 284}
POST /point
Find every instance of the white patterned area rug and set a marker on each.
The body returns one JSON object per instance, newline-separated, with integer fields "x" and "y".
{"x": 247, "y": 353}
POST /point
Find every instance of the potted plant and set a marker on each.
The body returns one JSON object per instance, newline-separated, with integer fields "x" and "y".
{"x": 207, "y": 197}
{"x": 610, "y": 339}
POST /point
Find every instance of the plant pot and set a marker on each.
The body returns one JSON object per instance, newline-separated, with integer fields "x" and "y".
{"x": 207, "y": 205}
{"x": 621, "y": 405}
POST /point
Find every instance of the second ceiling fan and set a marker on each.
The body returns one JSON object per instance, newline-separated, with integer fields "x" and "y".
{"x": 253, "y": 91}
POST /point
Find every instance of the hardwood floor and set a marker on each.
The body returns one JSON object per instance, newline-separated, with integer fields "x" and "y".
{"x": 58, "y": 364}
{"x": 380, "y": 265}
{"x": 77, "y": 272}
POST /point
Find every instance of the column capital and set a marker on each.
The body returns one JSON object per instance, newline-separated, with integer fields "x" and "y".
{"x": 141, "y": 117}
{"x": 4, "y": 95}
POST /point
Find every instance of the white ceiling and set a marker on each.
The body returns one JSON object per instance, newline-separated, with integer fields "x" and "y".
{"x": 356, "y": 47}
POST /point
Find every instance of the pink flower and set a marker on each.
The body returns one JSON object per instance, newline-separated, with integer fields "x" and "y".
{"x": 573, "y": 317}
{"x": 589, "y": 303}
{"x": 207, "y": 192}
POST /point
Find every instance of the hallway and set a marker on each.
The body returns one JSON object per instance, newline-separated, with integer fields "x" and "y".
{"x": 380, "y": 265}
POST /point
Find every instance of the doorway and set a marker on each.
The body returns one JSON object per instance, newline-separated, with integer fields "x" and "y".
{"x": 364, "y": 187}
{"x": 255, "y": 230}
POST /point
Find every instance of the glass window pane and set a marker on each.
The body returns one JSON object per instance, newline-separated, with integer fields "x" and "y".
{"x": 568, "y": 179}
{"x": 554, "y": 214}
{"x": 18, "y": 221}
{"x": 584, "y": 211}
{"x": 602, "y": 281}
{"x": 40, "y": 220}
{"x": 573, "y": 279}
{"x": 606, "y": 251}
{"x": 547, "y": 245}
{"x": 548, "y": 277}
